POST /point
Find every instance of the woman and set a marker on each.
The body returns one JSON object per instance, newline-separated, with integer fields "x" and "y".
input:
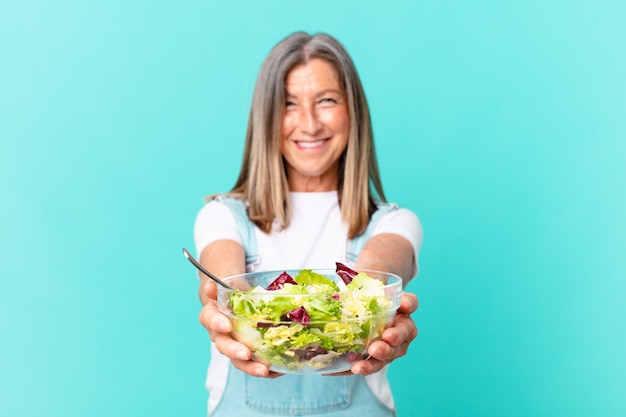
{"x": 305, "y": 192}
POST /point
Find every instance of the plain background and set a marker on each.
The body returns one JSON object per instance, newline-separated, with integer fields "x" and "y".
{"x": 501, "y": 124}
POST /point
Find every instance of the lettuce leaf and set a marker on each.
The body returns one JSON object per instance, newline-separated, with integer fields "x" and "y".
{"x": 322, "y": 308}
{"x": 346, "y": 274}
{"x": 299, "y": 315}
{"x": 279, "y": 282}
{"x": 317, "y": 281}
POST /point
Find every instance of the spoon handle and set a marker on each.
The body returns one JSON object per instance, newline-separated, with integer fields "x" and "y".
{"x": 203, "y": 270}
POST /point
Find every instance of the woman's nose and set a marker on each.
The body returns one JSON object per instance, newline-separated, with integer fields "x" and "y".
{"x": 309, "y": 122}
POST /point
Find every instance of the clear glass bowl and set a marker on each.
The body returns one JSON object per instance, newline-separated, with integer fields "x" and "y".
{"x": 290, "y": 344}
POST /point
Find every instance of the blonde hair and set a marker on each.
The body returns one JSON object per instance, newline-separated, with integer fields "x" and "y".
{"x": 262, "y": 179}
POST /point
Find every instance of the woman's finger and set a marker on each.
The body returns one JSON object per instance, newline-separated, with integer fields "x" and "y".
{"x": 403, "y": 329}
{"x": 231, "y": 348}
{"x": 210, "y": 289}
{"x": 386, "y": 353}
{"x": 213, "y": 320}
{"x": 367, "y": 367}
{"x": 255, "y": 369}
{"x": 408, "y": 303}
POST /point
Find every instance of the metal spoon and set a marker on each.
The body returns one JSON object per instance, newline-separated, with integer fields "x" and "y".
{"x": 204, "y": 271}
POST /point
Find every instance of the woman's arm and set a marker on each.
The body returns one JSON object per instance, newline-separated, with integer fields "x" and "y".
{"x": 225, "y": 258}
{"x": 390, "y": 253}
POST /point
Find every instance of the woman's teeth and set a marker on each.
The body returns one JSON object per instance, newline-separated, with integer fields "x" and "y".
{"x": 311, "y": 144}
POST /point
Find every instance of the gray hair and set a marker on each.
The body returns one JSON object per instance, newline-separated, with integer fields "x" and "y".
{"x": 262, "y": 180}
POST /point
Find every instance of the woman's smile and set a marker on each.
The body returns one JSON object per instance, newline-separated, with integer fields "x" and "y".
{"x": 311, "y": 144}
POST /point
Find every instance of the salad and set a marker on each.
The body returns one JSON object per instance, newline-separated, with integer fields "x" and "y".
{"x": 309, "y": 320}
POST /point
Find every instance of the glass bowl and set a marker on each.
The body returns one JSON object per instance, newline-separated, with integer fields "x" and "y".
{"x": 314, "y": 325}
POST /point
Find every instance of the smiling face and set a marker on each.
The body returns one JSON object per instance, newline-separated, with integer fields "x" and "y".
{"x": 315, "y": 126}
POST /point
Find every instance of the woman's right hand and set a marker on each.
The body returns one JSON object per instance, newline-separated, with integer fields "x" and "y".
{"x": 219, "y": 328}
{"x": 225, "y": 258}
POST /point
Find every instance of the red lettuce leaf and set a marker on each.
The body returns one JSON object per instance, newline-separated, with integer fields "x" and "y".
{"x": 282, "y": 279}
{"x": 345, "y": 273}
{"x": 299, "y": 315}
{"x": 309, "y": 353}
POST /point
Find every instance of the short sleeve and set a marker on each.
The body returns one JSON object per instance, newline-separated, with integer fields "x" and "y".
{"x": 214, "y": 222}
{"x": 405, "y": 223}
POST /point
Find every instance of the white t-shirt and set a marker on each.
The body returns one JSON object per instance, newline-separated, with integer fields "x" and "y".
{"x": 315, "y": 238}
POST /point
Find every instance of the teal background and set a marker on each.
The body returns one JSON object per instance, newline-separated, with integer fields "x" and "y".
{"x": 501, "y": 124}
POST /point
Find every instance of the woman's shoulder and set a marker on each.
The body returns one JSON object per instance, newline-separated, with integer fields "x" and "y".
{"x": 399, "y": 212}
{"x": 222, "y": 202}
{"x": 215, "y": 220}
{"x": 218, "y": 208}
{"x": 395, "y": 217}
{"x": 392, "y": 209}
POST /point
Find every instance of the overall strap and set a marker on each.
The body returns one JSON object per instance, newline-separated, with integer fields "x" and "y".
{"x": 356, "y": 244}
{"x": 246, "y": 228}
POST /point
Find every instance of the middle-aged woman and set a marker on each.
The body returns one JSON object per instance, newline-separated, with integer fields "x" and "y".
{"x": 304, "y": 199}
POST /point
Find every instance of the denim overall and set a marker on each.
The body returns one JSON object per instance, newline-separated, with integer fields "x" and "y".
{"x": 297, "y": 395}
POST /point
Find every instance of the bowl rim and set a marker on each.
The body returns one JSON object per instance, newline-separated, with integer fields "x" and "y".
{"x": 331, "y": 271}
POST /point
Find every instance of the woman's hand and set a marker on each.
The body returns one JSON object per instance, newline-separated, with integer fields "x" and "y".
{"x": 219, "y": 328}
{"x": 395, "y": 339}
{"x": 225, "y": 258}
{"x": 391, "y": 253}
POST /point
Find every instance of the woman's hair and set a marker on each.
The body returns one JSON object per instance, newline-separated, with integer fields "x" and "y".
{"x": 262, "y": 180}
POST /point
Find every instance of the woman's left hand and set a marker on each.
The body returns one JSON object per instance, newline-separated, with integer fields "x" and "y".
{"x": 395, "y": 339}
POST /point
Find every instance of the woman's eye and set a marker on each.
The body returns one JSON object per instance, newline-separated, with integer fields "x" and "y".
{"x": 289, "y": 104}
{"x": 328, "y": 100}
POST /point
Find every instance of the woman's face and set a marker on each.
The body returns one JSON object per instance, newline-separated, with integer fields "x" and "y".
{"x": 315, "y": 126}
